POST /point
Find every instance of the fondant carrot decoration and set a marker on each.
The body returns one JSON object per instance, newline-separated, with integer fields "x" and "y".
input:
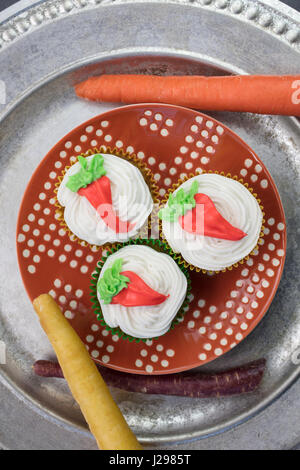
{"x": 214, "y": 224}
{"x": 196, "y": 213}
{"x": 92, "y": 183}
{"x": 127, "y": 288}
{"x": 264, "y": 94}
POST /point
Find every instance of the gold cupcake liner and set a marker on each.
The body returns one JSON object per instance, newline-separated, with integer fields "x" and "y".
{"x": 145, "y": 230}
{"x": 179, "y": 257}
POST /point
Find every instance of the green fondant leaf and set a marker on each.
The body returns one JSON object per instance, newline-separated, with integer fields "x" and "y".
{"x": 88, "y": 172}
{"x": 179, "y": 203}
{"x": 112, "y": 282}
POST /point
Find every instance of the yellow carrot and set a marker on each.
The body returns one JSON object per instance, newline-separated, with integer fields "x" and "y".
{"x": 102, "y": 414}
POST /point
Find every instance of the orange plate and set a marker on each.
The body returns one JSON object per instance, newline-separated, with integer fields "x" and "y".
{"x": 173, "y": 142}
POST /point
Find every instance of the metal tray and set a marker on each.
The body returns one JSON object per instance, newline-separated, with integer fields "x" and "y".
{"x": 43, "y": 51}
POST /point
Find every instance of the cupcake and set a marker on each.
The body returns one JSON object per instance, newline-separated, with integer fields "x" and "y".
{"x": 104, "y": 198}
{"x": 139, "y": 292}
{"x": 213, "y": 221}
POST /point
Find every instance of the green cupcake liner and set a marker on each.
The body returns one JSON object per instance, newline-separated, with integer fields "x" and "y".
{"x": 158, "y": 245}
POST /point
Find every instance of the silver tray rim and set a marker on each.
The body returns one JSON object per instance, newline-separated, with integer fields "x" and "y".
{"x": 295, "y": 375}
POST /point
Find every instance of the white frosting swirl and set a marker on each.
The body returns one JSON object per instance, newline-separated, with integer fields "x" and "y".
{"x": 237, "y": 205}
{"x": 161, "y": 273}
{"x": 131, "y": 199}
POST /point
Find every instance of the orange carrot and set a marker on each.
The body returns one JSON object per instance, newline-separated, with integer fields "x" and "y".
{"x": 263, "y": 94}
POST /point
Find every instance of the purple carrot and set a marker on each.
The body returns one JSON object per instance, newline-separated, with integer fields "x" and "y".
{"x": 236, "y": 381}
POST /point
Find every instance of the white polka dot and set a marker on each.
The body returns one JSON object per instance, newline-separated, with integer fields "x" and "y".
{"x": 68, "y": 144}
{"x": 260, "y": 294}
{"x": 209, "y": 124}
{"x": 110, "y": 349}
{"x": 62, "y": 299}
{"x": 41, "y": 221}
{"x": 220, "y": 130}
{"x": 104, "y": 333}
{"x": 270, "y": 272}
{"x": 73, "y": 263}
{"x": 151, "y": 161}
{"x": 189, "y": 139}
{"x": 199, "y": 144}
{"x": 255, "y": 278}
{"x": 36, "y": 259}
{"x": 84, "y": 269}
{"x": 154, "y": 358}
{"x": 258, "y": 168}
{"x": 26, "y": 253}
{"x": 51, "y": 253}
{"x": 212, "y": 309}
{"x": 254, "y": 178}
{"x": 108, "y": 138}
{"x": 173, "y": 171}
{"x": 202, "y": 357}
{"x": 224, "y": 315}
{"x": 202, "y": 330}
{"x": 243, "y": 172}
{"x": 271, "y": 246}
{"x": 245, "y": 272}
{"x": 169, "y": 122}
{"x": 264, "y": 184}
{"x": 204, "y": 160}
{"x": 62, "y": 258}
{"x": 165, "y": 363}
{"x": 191, "y": 325}
{"x": 162, "y": 192}
{"x": 95, "y": 353}
{"x": 99, "y": 343}
{"x": 148, "y": 113}
{"x": 260, "y": 267}
{"x": 104, "y": 124}
{"x": 153, "y": 126}
{"x": 204, "y": 134}
{"x": 170, "y": 352}
{"x": 143, "y": 122}
{"x": 209, "y": 149}
{"x": 233, "y": 293}
{"x": 164, "y": 132}
{"x": 167, "y": 181}
{"x": 229, "y": 304}
{"x": 188, "y": 165}
{"x": 201, "y": 303}
{"x": 215, "y": 139}
{"x": 271, "y": 221}
{"x": 239, "y": 310}
{"x": 208, "y": 347}
{"x": 280, "y": 226}
{"x": 183, "y": 149}
{"x": 248, "y": 162}
{"x": 219, "y": 325}
{"x": 229, "y": 331}
{"x": 199, "y": 119}
{"x": 159, "y": 347}
{"x": 105, "y": 359}
{"x": 31, "y": 269}
{"x": 138, "y": 363}
{"x": 194, "y": 128}
{"x": 68, "y": 288}
{"x": 213, "y": 336}
{"x": 119, "y": 143}
{"x": 239, "y": 337}
{"x": 194, "y": 155}
{"x": 158, "y": 117}
{"x": 218, "y": 352}
{"x": 249, "y": 315}
{"x": 69, "y": 315}
{"x": 207, "y": 320}
{"x": 280, "y": 252}
{"x": 254, "y": 304}
{"x": 250, "y": 262}
{"x": 79, "y": 293}
{"x": 57, "y": 283}
{"x": 178, "y": 160}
